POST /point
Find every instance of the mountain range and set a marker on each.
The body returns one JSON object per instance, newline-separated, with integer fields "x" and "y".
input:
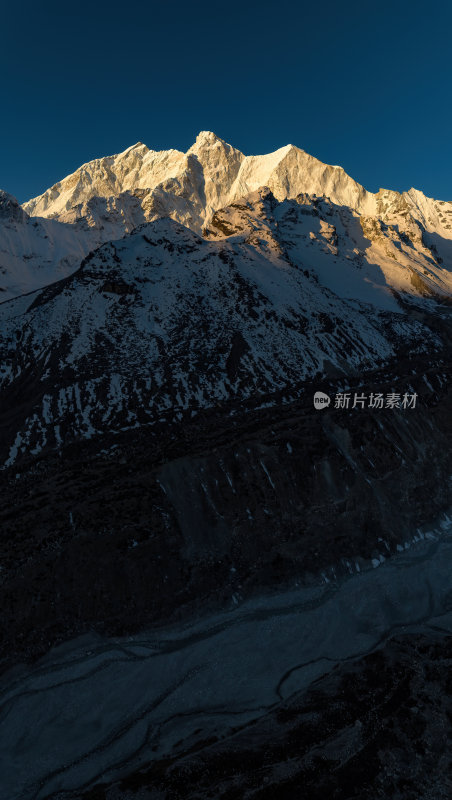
{"x": 180, "y": 292}
{"x": 109, "y": 197}
{"x": 167, "y": 319}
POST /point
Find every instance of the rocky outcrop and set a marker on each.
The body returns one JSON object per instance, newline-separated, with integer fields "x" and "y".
{"x": 152, "y": 524}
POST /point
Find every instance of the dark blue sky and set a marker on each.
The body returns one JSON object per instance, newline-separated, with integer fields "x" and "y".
{"x": 364, "y": 85}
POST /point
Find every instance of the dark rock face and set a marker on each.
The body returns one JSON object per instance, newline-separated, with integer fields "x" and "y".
{"x": 379, "y": 727}
{"x": 152, "y": 525}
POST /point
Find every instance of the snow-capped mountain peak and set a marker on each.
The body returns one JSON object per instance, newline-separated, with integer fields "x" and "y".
{"x": 109, "y": 197}
{"x": 170, "y": 182}
{"x": 207, "y": 138}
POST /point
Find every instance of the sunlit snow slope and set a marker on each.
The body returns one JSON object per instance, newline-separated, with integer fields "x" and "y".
{"x": 108, "y": 197}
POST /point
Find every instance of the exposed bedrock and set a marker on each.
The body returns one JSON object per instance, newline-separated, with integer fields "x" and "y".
{"x": 163, "y": 522}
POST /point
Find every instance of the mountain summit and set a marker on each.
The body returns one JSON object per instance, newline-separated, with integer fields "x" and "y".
{"x": 190, "y": 186}
{"x": 107, "y": 198}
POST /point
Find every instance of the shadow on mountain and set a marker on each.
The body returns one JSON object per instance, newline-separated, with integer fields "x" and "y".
{"x": 352, "y": 236}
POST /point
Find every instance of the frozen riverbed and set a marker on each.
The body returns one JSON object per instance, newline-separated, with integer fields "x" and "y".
{"x": 94, "y": 708}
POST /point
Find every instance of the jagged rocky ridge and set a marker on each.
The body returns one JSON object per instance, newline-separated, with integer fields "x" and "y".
{"x": 109, "y": 197}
